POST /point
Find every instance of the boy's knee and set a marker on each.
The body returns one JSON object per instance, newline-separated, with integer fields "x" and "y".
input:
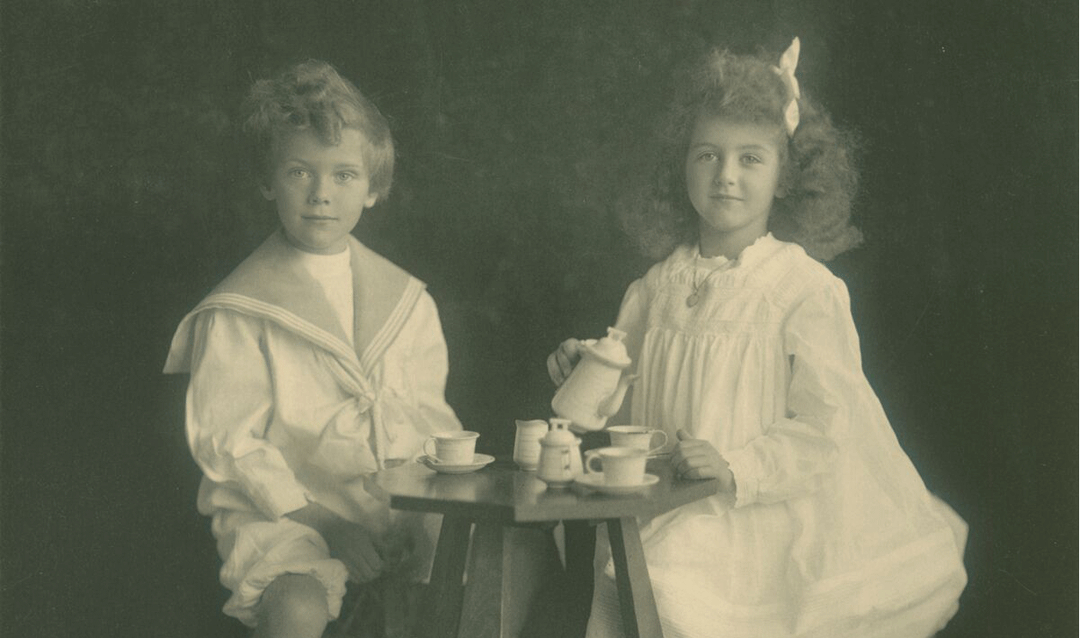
{"x": 293, "y": 605}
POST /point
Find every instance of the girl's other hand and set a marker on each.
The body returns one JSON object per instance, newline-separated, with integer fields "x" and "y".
{"x": 698, "y": 459}
{"x": 561, "y": 362}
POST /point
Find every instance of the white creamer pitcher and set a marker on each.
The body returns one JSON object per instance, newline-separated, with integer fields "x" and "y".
{"x": 595, "y": 389}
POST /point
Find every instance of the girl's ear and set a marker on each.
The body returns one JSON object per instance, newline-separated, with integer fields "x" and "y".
{"x": 267, "y": 192}
{"x": 781, "y": 191}
{"x": 372, "y": 198}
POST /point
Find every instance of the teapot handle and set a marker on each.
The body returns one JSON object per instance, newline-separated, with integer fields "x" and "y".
{"x": 590, "y": 456}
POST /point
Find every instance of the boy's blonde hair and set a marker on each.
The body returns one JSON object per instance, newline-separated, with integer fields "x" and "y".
{"x": 312, "y": 95}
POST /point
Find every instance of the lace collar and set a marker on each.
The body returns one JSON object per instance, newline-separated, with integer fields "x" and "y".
{"x": 761, "y": 248}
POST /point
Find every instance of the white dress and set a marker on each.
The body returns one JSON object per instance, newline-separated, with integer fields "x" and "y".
{"x": 831, "y": 532}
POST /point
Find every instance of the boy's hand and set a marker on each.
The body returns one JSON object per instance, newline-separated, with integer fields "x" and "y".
{"x": 698, "y": 459}
{"x": 561, "y": 362}
{"x": 364, "y": 555}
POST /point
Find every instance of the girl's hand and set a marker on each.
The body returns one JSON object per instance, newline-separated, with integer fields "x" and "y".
{"x": 698, "y": 459}
{"x": 561, "y": 362}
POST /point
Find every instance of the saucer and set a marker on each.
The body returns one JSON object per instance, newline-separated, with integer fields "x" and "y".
{"x": 595, "y": 481}
{"x": 479, "y": 461}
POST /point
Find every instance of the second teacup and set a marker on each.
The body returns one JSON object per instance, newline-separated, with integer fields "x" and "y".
{"x": 452, "y": 448}
{"x": 637, "y": 436}
{"x": 622, "y": 466}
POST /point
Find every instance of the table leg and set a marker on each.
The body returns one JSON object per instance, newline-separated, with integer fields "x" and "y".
{"x": 578, "y": 584}
{"x": 636, "y": 601}
{"x": 445, "y": 590}
{"x": 507, "y": 566}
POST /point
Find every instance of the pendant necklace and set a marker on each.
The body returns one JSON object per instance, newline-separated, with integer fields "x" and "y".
{"x": 695, "y": 294}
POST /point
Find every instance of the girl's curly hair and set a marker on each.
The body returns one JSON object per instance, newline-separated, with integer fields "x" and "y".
{"x": 818, "y": 174}
{"x": 312, "y": 95}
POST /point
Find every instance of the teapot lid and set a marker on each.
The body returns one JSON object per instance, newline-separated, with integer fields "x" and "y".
{"x": 559, "y": 434}
{"x": 610, "y": 349}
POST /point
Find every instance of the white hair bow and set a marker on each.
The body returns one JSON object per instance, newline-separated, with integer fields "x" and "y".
{"x": 788, "y": 61}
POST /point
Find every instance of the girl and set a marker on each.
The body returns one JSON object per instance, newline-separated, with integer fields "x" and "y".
{"x": 315, "y": 363}
{"x": 747, "y": 353}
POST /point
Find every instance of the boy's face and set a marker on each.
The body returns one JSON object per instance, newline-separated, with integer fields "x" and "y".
{"x": 320, "y": 189}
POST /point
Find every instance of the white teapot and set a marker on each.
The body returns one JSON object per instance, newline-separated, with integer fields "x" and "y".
{"x": 596, "y": 387}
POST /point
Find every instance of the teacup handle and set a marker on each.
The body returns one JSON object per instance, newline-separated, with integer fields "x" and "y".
{"x": 430, "y": 453}
{"x": 663, "y": 441}
{"x": 590, "y": 456}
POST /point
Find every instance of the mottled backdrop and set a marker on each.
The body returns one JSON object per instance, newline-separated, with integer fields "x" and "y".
{"x": 519, "y": 125}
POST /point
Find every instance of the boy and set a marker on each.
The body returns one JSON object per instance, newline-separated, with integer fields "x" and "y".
{"x": 315, "y": 363}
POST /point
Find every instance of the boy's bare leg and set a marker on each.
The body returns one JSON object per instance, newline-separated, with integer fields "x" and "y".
{"x": 293, "y": 606}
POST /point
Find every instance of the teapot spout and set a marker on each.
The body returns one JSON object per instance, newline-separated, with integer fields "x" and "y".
{"x": 612, "y": 404}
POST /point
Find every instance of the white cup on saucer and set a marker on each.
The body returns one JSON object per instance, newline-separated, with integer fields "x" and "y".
{"x": 638, "y": 436}
{"x": 622, "y": 466}
{"x": 452, "y": 448}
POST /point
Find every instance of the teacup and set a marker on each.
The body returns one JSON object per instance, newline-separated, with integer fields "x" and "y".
{"x": 637, "y": 436}
{"x": 622, "y": 466}
{"x": 452, "y": 448}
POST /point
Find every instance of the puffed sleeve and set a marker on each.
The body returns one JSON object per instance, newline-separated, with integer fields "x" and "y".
{"x": 796, "y": 454}
{"x": 632, "y": 318}
{"x": 428, "y": 367}
{"x": 229, "y": 405}
{"x": 412, "y": 405}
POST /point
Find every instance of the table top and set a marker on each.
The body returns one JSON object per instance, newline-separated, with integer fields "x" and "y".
{"x": 501, "y": 491}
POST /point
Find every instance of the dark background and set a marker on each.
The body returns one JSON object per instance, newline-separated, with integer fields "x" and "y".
{"x": 518, "y": 125}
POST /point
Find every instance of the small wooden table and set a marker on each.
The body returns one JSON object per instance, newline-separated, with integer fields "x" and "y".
{"x": 502, "y": 500}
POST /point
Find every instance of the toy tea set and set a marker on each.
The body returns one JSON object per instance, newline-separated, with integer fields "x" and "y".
{"x": 592, "y": 393}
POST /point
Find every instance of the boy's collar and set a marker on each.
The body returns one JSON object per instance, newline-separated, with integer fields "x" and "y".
{"x": 275, "y": 274}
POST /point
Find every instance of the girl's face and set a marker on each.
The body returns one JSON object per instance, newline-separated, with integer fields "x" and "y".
{"x": 732, "y": 174}
{"x": 320, "y": 189}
